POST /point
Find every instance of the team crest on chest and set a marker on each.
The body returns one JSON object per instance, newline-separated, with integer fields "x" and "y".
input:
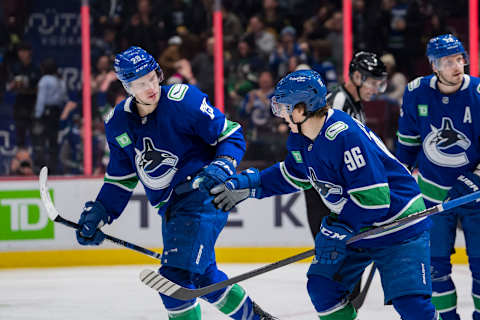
{"x": 439, "y": 141}
{"x": 155, "y": 167}
{"x": 330, "y": 193}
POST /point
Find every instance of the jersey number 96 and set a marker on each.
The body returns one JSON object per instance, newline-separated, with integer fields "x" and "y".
{"x": 353, "y": 159}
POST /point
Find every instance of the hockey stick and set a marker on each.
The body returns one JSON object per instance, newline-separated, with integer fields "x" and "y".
{"x": 169, "y": 288}
{"x": 358, "y": 301}
{"x": 54, "y": 215}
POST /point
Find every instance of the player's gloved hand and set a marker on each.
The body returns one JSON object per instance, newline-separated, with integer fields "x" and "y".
{"x": 215, "y": 173}
{"x": 93, "y": 217}
{"x": 331, "y": 241}
{"x": 465, "y": 184}
{"x": 236, "y": 189}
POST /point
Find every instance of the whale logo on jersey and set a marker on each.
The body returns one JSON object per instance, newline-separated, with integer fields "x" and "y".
{"x": 155, "y": 167}
{"x": 442, "y": 139}
{"x": 330, "y": 193}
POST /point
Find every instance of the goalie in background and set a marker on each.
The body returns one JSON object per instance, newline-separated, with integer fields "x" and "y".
{"x": 363, "y": 185}
{"x": 439, "y": 131}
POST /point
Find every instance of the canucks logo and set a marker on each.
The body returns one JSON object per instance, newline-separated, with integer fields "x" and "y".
{"x": 155, "y": 167}
{"x": 441, "y": 146}
{"x": 330, "y": 193}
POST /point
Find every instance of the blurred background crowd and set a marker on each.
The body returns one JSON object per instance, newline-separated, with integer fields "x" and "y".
{"x": 263, "y": 41}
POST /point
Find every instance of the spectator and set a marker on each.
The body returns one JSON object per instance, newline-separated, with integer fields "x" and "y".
{"x": 266, "y": 135}
{"x": 106, "y": 14}
{"x": 51, "y": 97}
{"x": 273, "y": 16}
{"x": 24, "y": 84}
{"x": 243, "y": 72}
{"x": 171, "y": 55}
{"x": 144, "y": 29}
{"x": 70, "y": 140}
{"x": 21, "y": 164}
{"x": 232, "y": 27}
{"x": 264, "y": 41}
{"x": 202, "y": 67}
{"x": 104, "y": 75}
{"x": 287, "y": 48}
{"x": 334, "y": 26}
{"x": 396, "y": 81}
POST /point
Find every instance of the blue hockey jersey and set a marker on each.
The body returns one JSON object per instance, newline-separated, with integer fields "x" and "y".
{"x": 357, "y": 177}
{"x": 438, "y": 132}
{"x": 182, "y": 135}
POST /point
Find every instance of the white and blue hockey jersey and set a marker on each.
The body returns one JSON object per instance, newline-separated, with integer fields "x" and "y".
{"x": 440, "y": 133}
{"x": 182, "y": 135}
{"x": 361, "y": 182}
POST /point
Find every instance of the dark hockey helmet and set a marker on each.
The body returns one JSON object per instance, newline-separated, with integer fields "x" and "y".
{"x": 302, "y": 86}
{"x": 368, "y": 64}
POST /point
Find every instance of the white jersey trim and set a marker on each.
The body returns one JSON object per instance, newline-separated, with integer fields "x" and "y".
{"x": 405, "y": 208}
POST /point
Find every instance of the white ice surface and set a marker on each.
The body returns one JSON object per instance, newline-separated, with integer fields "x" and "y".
{"x": 115, "y": 293}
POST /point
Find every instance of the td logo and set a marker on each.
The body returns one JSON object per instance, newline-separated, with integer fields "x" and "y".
{"x": 23, "y": 217}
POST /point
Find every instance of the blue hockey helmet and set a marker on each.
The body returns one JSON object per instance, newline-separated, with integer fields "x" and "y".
{"x": 134, "y": 63}
{"x": 443, "y": 46}
{"x": 302, "y": 86}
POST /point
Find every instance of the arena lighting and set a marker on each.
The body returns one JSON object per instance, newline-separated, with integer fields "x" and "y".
{"x": 86, "y": 90}
{"x": 473, "y": 36}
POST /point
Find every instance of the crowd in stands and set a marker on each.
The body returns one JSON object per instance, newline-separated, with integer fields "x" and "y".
{"x": 263, "y": 40}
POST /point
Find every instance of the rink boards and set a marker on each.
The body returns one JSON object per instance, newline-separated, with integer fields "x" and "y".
{"x": 258, "y": 231}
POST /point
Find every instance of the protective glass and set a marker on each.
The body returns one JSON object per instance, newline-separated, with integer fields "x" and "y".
{"x": 450, "y": 62}
{"x": 281, "y": 109}
{"x": 145, "y": 83}
{"x": 380, "y": 85}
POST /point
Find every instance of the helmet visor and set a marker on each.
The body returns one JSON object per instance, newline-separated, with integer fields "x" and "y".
{"x": 450, "y": 62}
{"x": 281, "y": 109}
{"x": 377, "y": 84}
{"x": 146, "y": 82}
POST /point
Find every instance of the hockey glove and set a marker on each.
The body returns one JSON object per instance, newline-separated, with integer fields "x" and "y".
{"x": 93, "y": 217}
{"x": 236, "y": 189}
{"x": 331, "y": 241}
{"x": 465, "y": 184}
{"x": 215, "y": 173}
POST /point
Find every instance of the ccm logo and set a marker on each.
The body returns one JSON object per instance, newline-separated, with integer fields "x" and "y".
{"x": 331, "y": 234}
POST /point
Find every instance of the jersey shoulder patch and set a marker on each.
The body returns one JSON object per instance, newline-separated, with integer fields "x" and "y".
{"x": 414, "y": 84}
{"x": 334, "y": 129}
{"x": 177, "y": 92}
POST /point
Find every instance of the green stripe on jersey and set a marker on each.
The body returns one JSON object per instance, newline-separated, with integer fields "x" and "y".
{"x": 409, "y": 140}
{"x": 234, "y": 298}
{"x": 191, "y": 314}
{"x": 229, "y": 128}
{"x": 415, "y": 205}
{"x": 431, "y": 190}
{"x": 445, "y": 301}
{"x": 301, "y": 184}
{"x": 476, "y": 302}
{"x": 125, "y": 183}
{"x": 346, "y": 312}
{"x": 376, "y": 196}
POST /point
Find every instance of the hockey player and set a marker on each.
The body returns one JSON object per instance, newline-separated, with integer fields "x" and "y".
{"x": 368, "y": 77}
{"x": 439, "y": 130}
{"x": 165, "y": 137}
{"x": 364, "y": 186}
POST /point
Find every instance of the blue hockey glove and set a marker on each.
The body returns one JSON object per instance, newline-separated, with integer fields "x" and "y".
{"x": 93, "y": 217}
{"x": 215, "y": 173}
{"x": 331, "y": 241}
{"x": 236, "y": 189}
{"x": 465, "y": 184}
